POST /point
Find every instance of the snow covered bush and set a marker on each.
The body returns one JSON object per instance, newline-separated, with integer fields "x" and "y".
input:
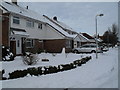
{"x": 18, "y": 74}
{"x": 1, "y": 75}
{"x": 67, "y": 67}
{"x": 6, "y": 54}
{"x": 30, "y": 59}
{"x": 33, "y": 71}
{"x": 37, "y": 71}
{"x": 52, "y": 69}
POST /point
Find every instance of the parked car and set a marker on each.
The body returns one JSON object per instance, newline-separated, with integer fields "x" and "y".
{"x": 87, "y": 48}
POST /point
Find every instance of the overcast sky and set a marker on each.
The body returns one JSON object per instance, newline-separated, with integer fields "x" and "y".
{"x": 79, "y": 15}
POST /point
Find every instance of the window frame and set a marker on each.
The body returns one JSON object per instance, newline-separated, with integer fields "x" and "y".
{"x": 68, "y": 44}
{"x": 31, "y": 43}
{"x": 18, "y": 43}
{"x": 40, "y": 26}
{"x": 30, "y": 23}
{"x": 16, "y": 20}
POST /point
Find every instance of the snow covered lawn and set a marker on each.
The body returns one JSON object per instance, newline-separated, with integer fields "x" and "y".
{"x": 100, "y": 73}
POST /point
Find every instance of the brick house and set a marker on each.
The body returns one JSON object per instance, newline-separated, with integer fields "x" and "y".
{"x": 83, "y": 38}
{"x": 67, "y": 33}
{"x": 79, "y": 40}
{"x": 91, "y": 39}
{"x": 25, "y": 30}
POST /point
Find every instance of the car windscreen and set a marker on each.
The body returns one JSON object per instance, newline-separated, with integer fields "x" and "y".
{"x": 85, "y": 46}
{"x": 93, "y": 46}
{"x": 88, "y": 46}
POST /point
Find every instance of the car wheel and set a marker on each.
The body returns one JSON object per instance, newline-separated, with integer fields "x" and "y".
{"x": 93, "y": 51}
{"x": 75, "y": 51}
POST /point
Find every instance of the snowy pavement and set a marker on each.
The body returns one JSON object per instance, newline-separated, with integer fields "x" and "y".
{"x": 100, "y": 73}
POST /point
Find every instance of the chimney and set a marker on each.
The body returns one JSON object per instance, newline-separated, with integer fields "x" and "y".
{"x": 27, "y": 7}
{"x": 14, "y": 2}
{"x": 55, "y": 18}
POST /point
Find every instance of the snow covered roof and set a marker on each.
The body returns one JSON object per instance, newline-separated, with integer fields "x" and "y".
{"x": 81, "y": 38}
{"x": 18, "y": 32}
{"x": 21, "y": 33}
{"x": 99, "y": 40}
{"x": 16, "y": 9}
{"x": 13, "y": 8}
{"x": 59, "y": 29}
{"x": 87, "y": 36}
{"x": 63, "y": 26}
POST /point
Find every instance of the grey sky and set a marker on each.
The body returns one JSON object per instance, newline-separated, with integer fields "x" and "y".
{"x": 79, "y": 15}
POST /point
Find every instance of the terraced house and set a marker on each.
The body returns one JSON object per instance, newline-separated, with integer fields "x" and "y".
{"x": 25, "y": 30}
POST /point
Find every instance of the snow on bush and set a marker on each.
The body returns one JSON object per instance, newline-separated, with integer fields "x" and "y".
{"x": 36, "y": 71}
{"x": 6, "y": 54}
{"x": 30, "y": 59}
{"x": 1, "y": 75}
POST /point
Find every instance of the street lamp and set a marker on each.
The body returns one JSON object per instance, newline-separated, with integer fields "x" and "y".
{"x": 96, "y": 33}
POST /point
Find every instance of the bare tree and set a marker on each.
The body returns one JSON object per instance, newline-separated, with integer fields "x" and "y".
{"x": 110, "y": 36}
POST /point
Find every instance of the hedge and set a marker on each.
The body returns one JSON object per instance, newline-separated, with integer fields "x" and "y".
{"x": 36, "y": 71}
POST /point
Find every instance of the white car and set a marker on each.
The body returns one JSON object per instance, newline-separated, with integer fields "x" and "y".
{"x": 104, "y": 49}
{"x": 87, "y": 48}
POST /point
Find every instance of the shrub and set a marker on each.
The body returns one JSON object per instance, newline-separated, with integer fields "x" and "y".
{"x": 6, "y": 54}
{"x": 51, "y": 69}
{"x": 3, "y": 71}
{"x": 79, "y": 63}
{"x": 66, "y": 67}
{"x": 39, "y": 70}
{"x": 72, "y": 65}
{"x": 1, "y": 75}
{"x": 30, "y": 59}
{"x": 33, "y": 71}
{"x": 60, "y": 68}
{"x": 18, "y": 74}
{"x": 46, "y": 70}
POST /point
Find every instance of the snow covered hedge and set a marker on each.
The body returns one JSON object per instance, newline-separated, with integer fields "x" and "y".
{"x": 1, "y": 75}
{"x": 6, "y": 54}
{"x": 36, "y": 71}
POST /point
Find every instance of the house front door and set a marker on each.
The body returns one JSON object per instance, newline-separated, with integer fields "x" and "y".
{"x": 13, "y": 47}
{"x": 18, "y": 46}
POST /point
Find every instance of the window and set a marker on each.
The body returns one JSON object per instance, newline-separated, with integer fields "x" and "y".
{"x": 40, "y": 26}
{"x": 16, "y": 20}
{"x": 68, "y": 44}
{"x": 18, "y": 43}
{"x": 93, "y": 46}
{"x": 29, "y": 23}
{"x": 86, "y": 46}
{"x": 29, "y": 43}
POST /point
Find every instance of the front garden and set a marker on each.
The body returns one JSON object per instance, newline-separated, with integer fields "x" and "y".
{"x": 62, "y": 70}
{"x": 37, "y": 71}
{"x": 41, "y": 64}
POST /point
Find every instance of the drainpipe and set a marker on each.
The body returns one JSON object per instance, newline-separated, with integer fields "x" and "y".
{"x": 9, "y": 29}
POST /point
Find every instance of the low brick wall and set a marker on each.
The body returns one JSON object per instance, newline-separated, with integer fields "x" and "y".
{"x": 38, "y": 47}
